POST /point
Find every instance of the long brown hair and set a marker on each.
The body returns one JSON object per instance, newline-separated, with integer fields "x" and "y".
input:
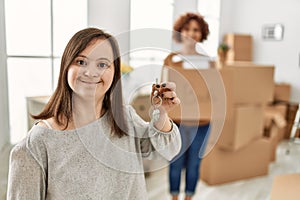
{"x": 60, "y": 103}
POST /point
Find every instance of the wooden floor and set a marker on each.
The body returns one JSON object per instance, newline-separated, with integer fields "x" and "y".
{"x": 252, "y": 189}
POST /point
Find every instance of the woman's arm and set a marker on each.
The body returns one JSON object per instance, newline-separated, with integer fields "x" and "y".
{"x": 154, "y": 143}
{"x": 163, "y": 99}
{"x": 26, "y": 179}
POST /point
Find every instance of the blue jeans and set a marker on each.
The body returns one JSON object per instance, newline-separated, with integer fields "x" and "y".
{"x": 194, "y": 139}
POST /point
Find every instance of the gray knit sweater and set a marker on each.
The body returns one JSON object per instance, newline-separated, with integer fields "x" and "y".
{"x": 88, "y": 163}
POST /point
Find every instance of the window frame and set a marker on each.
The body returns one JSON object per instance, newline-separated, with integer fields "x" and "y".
{"x": 13, "y": 137}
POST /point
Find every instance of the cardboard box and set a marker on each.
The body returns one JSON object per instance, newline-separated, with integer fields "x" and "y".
{"x": 282, "y": 92}
{"x": 273, "y": 127}
{"x": 142, "y": 104}
{"x": 200, "y": 90}
{"x": 249, "y": 84}
{"x": 280, "y": 131}
{"x": 276, "y": 114}
{"x": 275, "y": 120}
{"x": 274, "y": 136}
{"x": 240, "y": 47}
{"x": 221, "y": 166}
{"x": 239, "y": 64}
{"x": 292, "y": 109}
{"x": 243, "y": 124}
{"x": 192, "y": 89}
{"x": 285, "y": 187}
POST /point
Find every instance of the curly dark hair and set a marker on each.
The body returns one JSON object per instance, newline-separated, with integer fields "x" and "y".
{"x": 184, "y": 19}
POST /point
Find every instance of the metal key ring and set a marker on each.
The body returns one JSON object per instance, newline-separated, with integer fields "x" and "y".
{"x": 160, "y": 101}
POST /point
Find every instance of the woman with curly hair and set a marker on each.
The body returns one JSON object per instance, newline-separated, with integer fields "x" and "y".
{"x": 189, "y": 29}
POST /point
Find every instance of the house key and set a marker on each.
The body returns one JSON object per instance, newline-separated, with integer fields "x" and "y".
{"x": 156, "y": 101}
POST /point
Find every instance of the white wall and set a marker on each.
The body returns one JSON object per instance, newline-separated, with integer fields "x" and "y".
{"x": 180, "y": 7}
{"x": 243, "y": 16}
{"x": 238, "y": 16}
{"x": 4, "y": 123}
{"x": 112, "y": 16}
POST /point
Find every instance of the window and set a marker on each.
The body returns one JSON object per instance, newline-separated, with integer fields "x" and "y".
{"x": 210, "y": 9}
{"x": 36, "y": 33}
{"x": 145, "y": 14}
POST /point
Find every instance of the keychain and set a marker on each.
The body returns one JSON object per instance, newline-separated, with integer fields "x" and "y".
{"x": 156, "y": 105}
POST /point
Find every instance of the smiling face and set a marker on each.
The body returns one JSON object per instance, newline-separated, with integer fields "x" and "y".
{"x": 191, "y": 32}
{"x": 91, "y": 73}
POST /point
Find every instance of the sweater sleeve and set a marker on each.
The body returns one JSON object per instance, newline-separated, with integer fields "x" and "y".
{"x": 154, "y": 143}
{"x": 26, "y": 179}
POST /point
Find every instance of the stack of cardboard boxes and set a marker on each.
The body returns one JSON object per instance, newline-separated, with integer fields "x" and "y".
{"x": 242, "y": 151}
{"x": 275, "y": 122}
{"x": 241, "y": 94}
{"x": 280, "y": 114}
{"x": 282, "y": 98}
{"x": 253, "y": 124}
{"x": 274, "y": 125}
